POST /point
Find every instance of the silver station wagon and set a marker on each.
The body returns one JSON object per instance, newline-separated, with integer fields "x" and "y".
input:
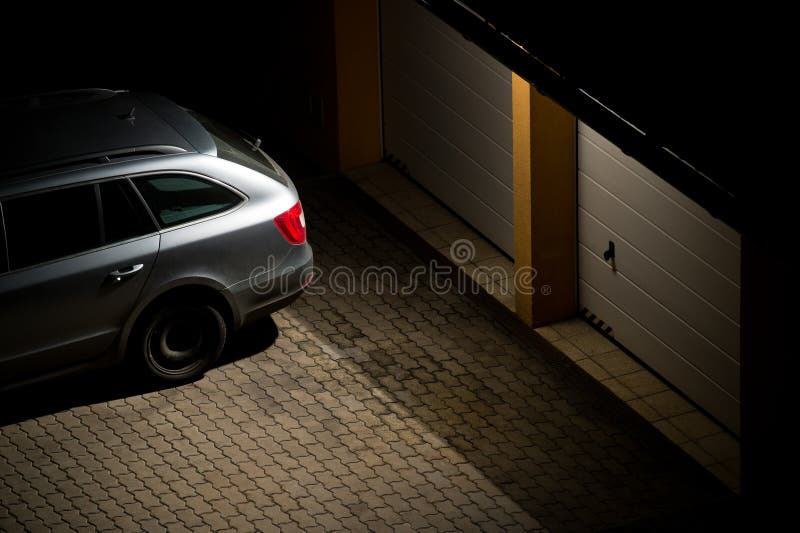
{"x": 133, "y": 228}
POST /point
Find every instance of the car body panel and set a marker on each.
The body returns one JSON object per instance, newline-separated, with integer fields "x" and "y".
{"x": 69, "y": 312}
{"x": 181, "y": 121}
{"x": 38, "y": 136}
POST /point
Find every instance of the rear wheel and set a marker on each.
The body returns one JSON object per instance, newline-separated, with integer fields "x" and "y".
{"x": 181, "y": 341}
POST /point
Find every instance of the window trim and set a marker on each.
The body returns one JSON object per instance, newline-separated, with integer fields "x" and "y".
{"x": 4, "y": 263}
{"x": 244, "y": 197}
{"x": 143, "y": 204}
{"x": 101, "y": 223}
{"x": 96, "y": 184}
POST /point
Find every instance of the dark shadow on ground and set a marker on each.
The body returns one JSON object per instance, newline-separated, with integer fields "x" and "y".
{"x": 550, "y": 437}
{"x": 728, "y": 516}
{"x": 117, "y": 382}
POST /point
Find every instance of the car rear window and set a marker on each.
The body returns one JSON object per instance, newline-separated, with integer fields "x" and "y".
{"x": 178, "y": 198}
{"x": 48, "y": 225}
{"x": 233, "y": 146}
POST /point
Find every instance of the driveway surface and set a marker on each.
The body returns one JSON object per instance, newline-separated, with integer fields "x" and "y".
{"x": 358, "y": 412}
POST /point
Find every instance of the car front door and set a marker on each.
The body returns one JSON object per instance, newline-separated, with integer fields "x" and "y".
{"x": 78, "y": 258}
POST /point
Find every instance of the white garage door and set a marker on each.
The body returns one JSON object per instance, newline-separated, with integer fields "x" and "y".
{"x": 447, "y": 117}
{"x": 673, "y": 299}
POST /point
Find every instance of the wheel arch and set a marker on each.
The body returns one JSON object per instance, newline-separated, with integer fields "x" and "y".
{"x": 206, "y": 290}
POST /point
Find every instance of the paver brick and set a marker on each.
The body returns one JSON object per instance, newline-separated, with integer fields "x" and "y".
{"x": 369, "y": 412}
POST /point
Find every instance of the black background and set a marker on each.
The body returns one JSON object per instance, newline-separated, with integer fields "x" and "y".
{"x": 709, "y": 82}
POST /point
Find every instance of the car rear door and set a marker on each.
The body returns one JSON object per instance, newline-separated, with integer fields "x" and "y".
{"x": 78, "y": 258}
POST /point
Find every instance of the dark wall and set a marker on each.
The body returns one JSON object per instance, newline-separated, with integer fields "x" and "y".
{"x": 263, "y": 70}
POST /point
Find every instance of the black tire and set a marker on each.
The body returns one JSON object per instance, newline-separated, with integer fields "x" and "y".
{"x": 179, "y": 342}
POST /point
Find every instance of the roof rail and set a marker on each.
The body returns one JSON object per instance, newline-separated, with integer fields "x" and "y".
{"x": 98, "y": 158}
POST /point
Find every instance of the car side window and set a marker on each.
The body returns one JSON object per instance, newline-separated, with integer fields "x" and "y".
{"x": 178, "y": 198}
{"x": 3, "y": 257}
{"x": 51, "y": 224}
{"x": 124, "y": 215}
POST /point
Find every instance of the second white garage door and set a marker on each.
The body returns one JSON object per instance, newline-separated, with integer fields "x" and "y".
{"x": 671, "y": 294}
{"x": 447, "y": 117}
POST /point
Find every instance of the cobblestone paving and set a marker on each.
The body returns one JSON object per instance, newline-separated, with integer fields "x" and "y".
{"x": 368, "y": 412}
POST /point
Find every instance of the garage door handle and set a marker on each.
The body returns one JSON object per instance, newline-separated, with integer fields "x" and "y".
{"x": 609, "y": 254}
{"x": 125, "y": 272}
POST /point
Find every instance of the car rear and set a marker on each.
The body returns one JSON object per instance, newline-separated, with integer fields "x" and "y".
{"x": 257, "y": 251}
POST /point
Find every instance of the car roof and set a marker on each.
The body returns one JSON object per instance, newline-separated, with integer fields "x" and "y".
{"x": 49, "y": 131}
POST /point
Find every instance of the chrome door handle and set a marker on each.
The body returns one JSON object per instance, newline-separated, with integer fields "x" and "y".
{"x": 125, "y": 272}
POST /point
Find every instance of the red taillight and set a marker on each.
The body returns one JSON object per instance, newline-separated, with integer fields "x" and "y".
{"x": 292, "y": 224}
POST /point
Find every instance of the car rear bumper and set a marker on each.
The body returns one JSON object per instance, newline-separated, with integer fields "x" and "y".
{"x": 271, "y": 287}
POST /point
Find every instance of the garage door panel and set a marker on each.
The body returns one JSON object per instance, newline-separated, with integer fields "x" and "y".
{"x": 451, "y": 126}
{"x": 451, "y": 160}
{"x": 468, "y": 46}
{"x": 673, "y": 298}
{"x": 458, "y": 198}
{"x": 664, "y": 288}
{"x": 447, "y": 117}
{"x": 669, "y": 216}
{"x": 663, "y": 324}
{"x": 664, "y": 360}
{"x": 659, "y": 247}
{"x": 725, "y": 231}
{"x": 473, "y": 108}
{"x": 411, "y": 22}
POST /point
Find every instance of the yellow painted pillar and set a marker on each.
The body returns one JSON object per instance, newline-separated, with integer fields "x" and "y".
{"x": 357, "y": 82}
{"x": 523, "y": 201}
{"x": 545, "y": 205}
